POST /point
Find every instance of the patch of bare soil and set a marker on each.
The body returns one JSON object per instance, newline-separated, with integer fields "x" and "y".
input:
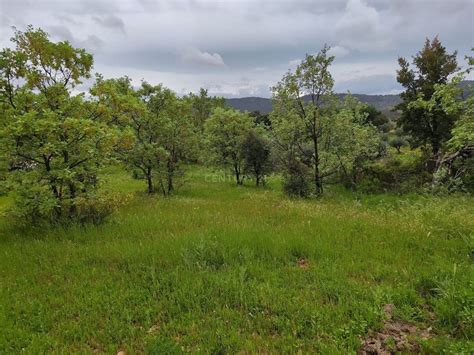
{"x": 303, "y": 263}
{"x": 395, "y": 336}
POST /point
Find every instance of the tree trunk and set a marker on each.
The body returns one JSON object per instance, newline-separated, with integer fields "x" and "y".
{"x": 54, "y": 188}
{"x": 256, "y": 170}
{"x": 149, "y": 180}
{"x": 170, "y": 184}
{"x": 170, "y": 176}
{"x": 317, "y": 176}
{"x": 436, "y": 161}
{"x": 237, "y": 174}
{"x": 72, "y": 195}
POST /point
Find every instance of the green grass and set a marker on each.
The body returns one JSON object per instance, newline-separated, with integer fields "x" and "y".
{"x": 215, "y": 269}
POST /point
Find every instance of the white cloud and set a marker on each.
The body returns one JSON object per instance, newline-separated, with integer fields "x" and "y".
{"x": 294, "y": 63}
{"x": 360, "y": 27}
{"x": 339, "y": 51}
{"x": 192, "y": 55}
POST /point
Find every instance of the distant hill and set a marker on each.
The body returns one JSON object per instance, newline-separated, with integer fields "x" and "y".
{"x": 251, "y": 104}
{"x": 381, "y": 102}
{"x": 384, "y": 103}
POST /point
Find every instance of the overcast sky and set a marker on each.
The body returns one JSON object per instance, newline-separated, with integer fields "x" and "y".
{"x": 238, "y": 48}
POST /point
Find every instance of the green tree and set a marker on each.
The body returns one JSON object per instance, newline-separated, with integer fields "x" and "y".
{"x": 157, "y": 131}
{"x": 177, "y": 136}
{"x": 399, "y": 140}
{"x": 261, "y": 119}
{"x": 375, "y": 117}
{"x": 300, "y": 120}
{"x": 54, "y": 145}
{"x": 256, "y": 153}
{"x": 225, "y": 132}
{"x": 433, "y": 66}
{"x": 313, "y": 129}
{"x": 348, "y": 141}
{"x": 455, "y": 159}
{"x": 202, "y": 106}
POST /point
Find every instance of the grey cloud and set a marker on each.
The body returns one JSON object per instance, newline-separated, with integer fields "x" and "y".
{"x": 68, "y": 19}
{"x": 61, "y": 32}
{"x": 90, "y": 42}
{"x": 373, "y": 84}
{"x": 110, "y": 21}
{"x": 193, "y": 55}
{"x": 216, "y": 43}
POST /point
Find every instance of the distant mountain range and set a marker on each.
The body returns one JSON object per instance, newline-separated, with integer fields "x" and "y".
{"x": 384, "y": 103}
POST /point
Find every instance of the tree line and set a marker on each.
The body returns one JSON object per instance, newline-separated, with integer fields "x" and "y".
{"x": 55, "y": 141}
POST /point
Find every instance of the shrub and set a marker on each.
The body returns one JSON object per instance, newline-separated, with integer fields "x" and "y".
{"x": 297, "y": 179}
{"x": 398, "y": 142}
{"x": 395, "y": 172}
{"x": 35, "y": 204}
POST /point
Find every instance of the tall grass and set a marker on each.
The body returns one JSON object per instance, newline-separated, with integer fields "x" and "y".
{"x": 221, "y": 268}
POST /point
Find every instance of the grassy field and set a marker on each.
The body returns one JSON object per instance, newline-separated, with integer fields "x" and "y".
{"x": 219, "y": 268}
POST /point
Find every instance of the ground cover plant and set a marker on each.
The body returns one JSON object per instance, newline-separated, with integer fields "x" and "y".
{"x": 220, "y": 268}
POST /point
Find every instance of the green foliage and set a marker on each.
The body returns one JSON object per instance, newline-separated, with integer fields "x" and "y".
{"x": 225, "y": 132}
{"x": 332, "y": 139}
{"x": 297, "y": 179}
{"x": 174, "y": 133}
{"x": 54, "y": 146}
{"x": 395, "y": 172}
{"x": 349, "y": 143}
{"x": 422, "y": 115}
{"x": 298, "y": 123}
{"x": 261, "y": 119}
{"x": 399, "y": 140}
{"x": 163, "y": 346}
{"x": 157, "y": 132}
{"x": 455, "y": 164}
{"x": 463, "y": 132}
{"x": 256, "y": 154}
{"x": 202, "y": 106}
{"x": 375, "y": 117}
{"x": 445, "y": 182}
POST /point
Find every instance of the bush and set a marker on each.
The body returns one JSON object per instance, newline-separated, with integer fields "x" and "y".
{"x": 396, "y": 172}
{"x": 398, "y": 142}
{"x": 297, "y": 179}
{"x": 445, "y": 184}
{"x": 97, "y": 208}
{"x": 35, "y": 204}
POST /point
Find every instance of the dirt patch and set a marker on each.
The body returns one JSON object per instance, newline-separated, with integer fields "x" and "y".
{"x": 154, "y": 329}
{"x": 395, "y": 336}
{"x": 303, "y": 264}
